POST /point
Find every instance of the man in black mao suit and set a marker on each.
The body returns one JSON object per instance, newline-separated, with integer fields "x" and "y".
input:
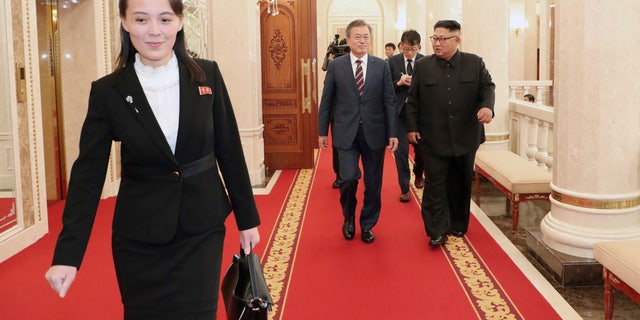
{"x": 360, "y": 89}
{"x": 401, "y": 66}
{"x": 450, "y": 99}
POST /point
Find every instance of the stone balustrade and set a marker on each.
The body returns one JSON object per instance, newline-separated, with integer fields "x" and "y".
{"x": 541, "y": 89}
{"x": 531, "y": 126}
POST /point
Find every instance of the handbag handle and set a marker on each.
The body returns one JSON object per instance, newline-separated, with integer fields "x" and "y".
{"x": 257, "y": 302}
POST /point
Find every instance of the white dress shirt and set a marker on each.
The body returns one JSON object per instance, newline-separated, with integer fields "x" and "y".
{"x": 363, "y": 64}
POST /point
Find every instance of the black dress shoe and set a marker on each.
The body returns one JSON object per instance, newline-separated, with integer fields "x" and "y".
{"x": 458, "y": 234}
{"x": 348, "y": 228}
{"x": 419, "y": 182}
{"x": 368, "y": 236}
{"x": 336, "y": 184}
{"x": 438, "y": 241}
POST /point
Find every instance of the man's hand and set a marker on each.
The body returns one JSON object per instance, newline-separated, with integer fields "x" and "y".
{"x": 393, "y": 144}
{"x": 405, "y": 80}
{"x": 60, "y": 278}
{"x": 323, "y": 142}
{"x": 485, "y": 115}
{"x": 414, "y": 137}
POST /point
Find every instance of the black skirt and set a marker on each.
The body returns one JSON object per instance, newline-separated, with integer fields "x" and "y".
{"x": 176, "y": 280}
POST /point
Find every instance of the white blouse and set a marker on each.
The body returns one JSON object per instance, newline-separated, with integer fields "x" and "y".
{"x": 161, "y": 86}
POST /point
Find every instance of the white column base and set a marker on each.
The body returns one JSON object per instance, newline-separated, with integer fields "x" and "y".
{"x": 573, "y": 230}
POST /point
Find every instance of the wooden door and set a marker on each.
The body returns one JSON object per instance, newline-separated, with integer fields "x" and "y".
{"x": 289, "y": 84}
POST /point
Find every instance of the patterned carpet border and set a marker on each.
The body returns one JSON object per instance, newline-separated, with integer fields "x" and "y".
{"x": 281, "y": 250}
{"x": 483, "y": 290}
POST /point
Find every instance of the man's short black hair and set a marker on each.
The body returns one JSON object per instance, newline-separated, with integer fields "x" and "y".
{"x": 390, "y": 44}
{"x": 450, "y": 25}
{"x": 411, "y": 37}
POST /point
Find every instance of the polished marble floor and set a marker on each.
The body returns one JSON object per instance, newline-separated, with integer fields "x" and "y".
{"x": 587, "y": 301}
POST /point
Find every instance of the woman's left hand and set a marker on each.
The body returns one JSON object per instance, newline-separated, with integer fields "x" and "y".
{"x": 248, "y": 238}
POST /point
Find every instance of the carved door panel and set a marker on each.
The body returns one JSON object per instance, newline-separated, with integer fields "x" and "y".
{"x": 289, "y": 83}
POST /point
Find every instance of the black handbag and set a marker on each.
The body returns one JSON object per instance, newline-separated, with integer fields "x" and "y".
{"x": 244, "y": 289}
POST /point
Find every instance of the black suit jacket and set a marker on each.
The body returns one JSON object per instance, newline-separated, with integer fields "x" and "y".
{"x": 375, "y": 108}
{"x": 397, "y": 68}
{"x": 158, "y": 195}
{"x": 443, "y": 102}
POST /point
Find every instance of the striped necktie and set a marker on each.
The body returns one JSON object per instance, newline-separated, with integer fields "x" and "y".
{"x": 409, "y": 67}
{"x": 359, "y": 77}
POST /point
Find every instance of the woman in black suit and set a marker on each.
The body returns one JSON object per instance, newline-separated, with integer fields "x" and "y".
{"x": 177, "y": 129}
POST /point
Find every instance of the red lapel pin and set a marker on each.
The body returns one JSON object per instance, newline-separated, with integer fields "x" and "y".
{"x": 204, "y": 90}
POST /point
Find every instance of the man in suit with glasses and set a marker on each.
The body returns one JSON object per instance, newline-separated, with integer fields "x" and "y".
{"x": 401, "y": 66}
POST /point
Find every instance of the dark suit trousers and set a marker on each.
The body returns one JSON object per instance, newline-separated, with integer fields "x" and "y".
{"x": 447, "y": 193}
{"x": 336, "y": 161}
{"x": 402, "y": 158}
{"x": 372, "y": 163}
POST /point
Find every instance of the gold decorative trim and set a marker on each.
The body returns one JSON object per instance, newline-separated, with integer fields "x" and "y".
{"x": 595, "y": 203}
{"x": 31, "y": 65}
{"x": 282, "y": 248}
{"x": 495, "y": 138}
{"x": 483, "y": 289}
{"x": 479, "y": 284}
{"x": 105, "y": 25}
{"x": 305, "y": 74}
{"x": 484, "y": 292}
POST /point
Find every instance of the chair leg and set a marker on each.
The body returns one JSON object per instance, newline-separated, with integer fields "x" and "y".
{"x": 608, "y": 296}
{"x": 515, "y": 213}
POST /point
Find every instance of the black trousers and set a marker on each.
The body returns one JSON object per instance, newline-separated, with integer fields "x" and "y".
{"x": 336, "y": 158}
{"x": 372, "y": 164}
{"x": 447, "y": 193}
{"x": 401, "y": 157}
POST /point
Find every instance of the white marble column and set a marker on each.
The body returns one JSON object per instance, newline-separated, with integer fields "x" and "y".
{"x": 596, "y": 183}
{"x": 490, "y": 40}
{"x": 544, "y": 34}
{"x": 235, "y": 45}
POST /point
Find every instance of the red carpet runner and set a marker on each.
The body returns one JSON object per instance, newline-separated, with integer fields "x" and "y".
{"x": 25, "y": 294}
{"x": 313, "y": 273}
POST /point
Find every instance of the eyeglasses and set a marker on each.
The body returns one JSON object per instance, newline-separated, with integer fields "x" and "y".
{"x": 410, "y": 49}
{"x": 359, "y": 37}
{"x": 435, "y": 39}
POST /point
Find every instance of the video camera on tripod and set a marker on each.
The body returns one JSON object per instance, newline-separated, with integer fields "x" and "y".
{"x": 337, "y": 49}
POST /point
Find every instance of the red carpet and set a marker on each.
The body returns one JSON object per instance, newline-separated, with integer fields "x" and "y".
{"x": 398, "y": 276}
{"x": 25, "y": 294}
{"x": 312, "y": 272}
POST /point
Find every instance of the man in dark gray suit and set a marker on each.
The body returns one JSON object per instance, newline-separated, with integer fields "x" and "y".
{"x": 450, "y": 99}
{"x": 401, "y": 66}
{"x": 360, "y": 89}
